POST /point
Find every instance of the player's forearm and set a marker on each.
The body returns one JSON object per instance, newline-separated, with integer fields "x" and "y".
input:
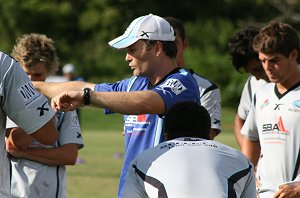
{"x": 18, "y": 138}
{"x": 65, "y": 155}
{"x": 238, "y": 124}
{"x": 251, "y": 149}
{"x": 138, "y": 102}
{"x": 51, "y": 89}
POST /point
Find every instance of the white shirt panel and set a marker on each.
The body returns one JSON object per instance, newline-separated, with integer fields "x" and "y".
{"x": 33, "y": 179}
{"x": 210, "y": 98}
{"x": 277, "y": 125}
{"x": 198, "y": 168}
{"x": 20, "y": 102}
{"x": 250, "y": 87}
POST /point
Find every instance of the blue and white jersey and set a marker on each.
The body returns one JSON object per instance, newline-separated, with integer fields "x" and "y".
{"x": 145, "y": 131}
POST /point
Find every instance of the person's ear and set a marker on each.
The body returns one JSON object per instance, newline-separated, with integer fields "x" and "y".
{"x": 185, "y": 44}
{"x": 166, "y": 136}
{"x": 158, "y": 47}
{"x": 294, "y": 54}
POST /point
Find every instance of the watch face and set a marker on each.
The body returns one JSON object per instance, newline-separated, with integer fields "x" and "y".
{"x": 86, "y": 96}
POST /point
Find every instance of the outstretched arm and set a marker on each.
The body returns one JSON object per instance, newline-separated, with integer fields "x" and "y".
{"x": 51, "y": 89}
{"x": 137, "y": 102}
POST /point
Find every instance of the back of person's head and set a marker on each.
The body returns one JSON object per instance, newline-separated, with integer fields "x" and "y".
{"x": 33, "y": 48}
{"x": 240, "y": 47}
{"x": 149, "y": 28}
{"x": 178, "y": 26}
{"x": 277, "y": 37}
{"x": 187, "y": 119}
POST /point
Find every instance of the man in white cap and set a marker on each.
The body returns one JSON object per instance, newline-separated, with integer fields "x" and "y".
{"x": 157, "y": 84}
{"x": 69, "y": 72}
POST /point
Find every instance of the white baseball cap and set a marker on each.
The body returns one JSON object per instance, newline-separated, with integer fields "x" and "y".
{"x": 149, "y": 27}
{"x": 68, "y": 68}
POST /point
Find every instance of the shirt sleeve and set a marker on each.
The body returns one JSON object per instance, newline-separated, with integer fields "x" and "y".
{"x": 21, "y": 102}
{"x": 250, "y": 186}
{"x": 111, "y": 87}
{"x": 69, "y": 131}
{"x": 134, "y": 185}
{"x": 211, "y": 101}
{"x": 249, "y": 128}
{"x": 178, "y": 88}
{"x": 245, "y": 100}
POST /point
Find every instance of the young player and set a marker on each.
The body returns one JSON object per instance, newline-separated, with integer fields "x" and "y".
{"x": 271, "y": 128}
{"x": 27, "y": 107}
{"x": 40, "y": 170}
{"x": 244, "y": 58}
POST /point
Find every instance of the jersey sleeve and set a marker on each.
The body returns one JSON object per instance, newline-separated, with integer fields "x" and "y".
{"x": 250, "y": 185}
{"x": 249, "y": 128}
{"x": 111, "y": 87}
{"x": 134, "y": 185}
{"x": 245, "y": 100}
{"x": 176, "y": 88}
{"x": 69, "y": 130}
{"x": 21, "y": 102}
{"x": 211, "y": 101}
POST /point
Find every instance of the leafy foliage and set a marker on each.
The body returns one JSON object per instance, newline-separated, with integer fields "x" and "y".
{"x": 81, "y": 30}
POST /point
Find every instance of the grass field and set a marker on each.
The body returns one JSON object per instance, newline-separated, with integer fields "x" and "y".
{"x": 97, "y": 175}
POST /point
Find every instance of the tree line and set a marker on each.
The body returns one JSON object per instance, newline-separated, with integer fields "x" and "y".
{"x": 82, "y": 28}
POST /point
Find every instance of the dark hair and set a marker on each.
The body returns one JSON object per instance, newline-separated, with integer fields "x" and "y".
{"x": 177, "y": 25}
{"x": 169, "y": 47}
{"x": 240, "y": 47}
{"x": 277, "y": 37}
{"x": 187, "y": 119}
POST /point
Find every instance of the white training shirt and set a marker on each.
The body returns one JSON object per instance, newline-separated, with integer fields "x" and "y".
{"x": 250, "y": 87}
{"x": 23, "y": 104}
{"x": 274, "y": 122}
{"x": 35, "y": 180}
{"x": 210, "y": 99}
{"x": 190, "y": 167}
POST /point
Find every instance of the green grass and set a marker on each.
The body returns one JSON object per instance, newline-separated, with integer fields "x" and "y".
{"x": 98, "y": 176}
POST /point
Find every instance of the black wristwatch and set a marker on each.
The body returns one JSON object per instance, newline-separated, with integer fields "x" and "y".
{"x": 86, "y": 96}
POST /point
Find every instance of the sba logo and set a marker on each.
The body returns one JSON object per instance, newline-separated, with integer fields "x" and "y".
{"x": 275, "y": 127}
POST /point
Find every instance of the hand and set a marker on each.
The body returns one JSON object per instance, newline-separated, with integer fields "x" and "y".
{"x": 67, "y": 101}
{"x": 18, "y": 139}
{"x": 288, "y": 191}
{"x": 13, "y": 150}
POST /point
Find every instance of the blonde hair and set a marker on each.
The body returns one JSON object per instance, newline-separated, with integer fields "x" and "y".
{"x": 33, "y": 48}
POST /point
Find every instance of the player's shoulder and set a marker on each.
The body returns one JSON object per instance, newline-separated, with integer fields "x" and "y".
{"x": 203, "y": 81}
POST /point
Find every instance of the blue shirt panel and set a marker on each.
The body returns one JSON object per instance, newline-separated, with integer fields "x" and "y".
{"x": 146, "y": 131}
